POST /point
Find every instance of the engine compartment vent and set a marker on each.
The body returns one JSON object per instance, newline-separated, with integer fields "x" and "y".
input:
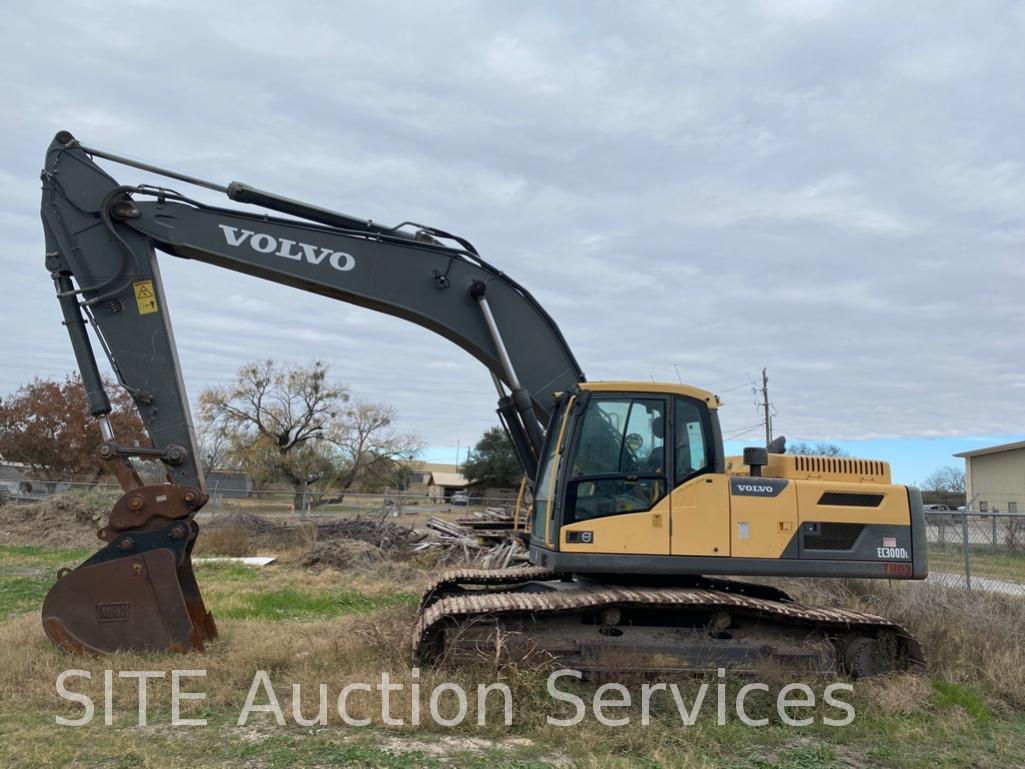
{"x": 812, "y": 468}
{"x": 831, "y": 536}
{"x": 839, "y": 466}
{"x": 851, "y": 499}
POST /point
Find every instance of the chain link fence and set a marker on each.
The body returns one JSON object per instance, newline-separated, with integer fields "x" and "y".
{"x": 977, "y": 551}
{"x": 283, "y": 504}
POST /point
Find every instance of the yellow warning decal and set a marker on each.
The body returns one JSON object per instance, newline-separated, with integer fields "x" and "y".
{"x": 145, "y": 297}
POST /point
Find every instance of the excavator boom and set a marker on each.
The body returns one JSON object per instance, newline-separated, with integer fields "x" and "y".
{"x": 103, "y": 235}
{"x": 101, "y": 241}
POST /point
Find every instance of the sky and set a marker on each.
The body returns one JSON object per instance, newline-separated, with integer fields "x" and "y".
{"x": 694, "y": 191}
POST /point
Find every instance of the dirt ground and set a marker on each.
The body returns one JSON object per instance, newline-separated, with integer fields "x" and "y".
{"x": 66, "y": 520}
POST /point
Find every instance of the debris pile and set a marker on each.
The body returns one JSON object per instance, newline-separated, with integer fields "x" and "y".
{"x": 487, "y": 541}
{"x": 492, "y": 526}
{"x": 336, "y": 543}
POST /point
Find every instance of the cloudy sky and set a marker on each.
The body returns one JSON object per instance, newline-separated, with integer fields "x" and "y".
{"x": 833, "y": 190}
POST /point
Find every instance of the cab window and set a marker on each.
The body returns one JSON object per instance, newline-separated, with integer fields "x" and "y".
{"x": 692, "y": 437}
{"x": 619, "y": 464}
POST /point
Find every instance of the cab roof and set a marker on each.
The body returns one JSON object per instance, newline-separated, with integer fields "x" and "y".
{"x": 654, "y": 387}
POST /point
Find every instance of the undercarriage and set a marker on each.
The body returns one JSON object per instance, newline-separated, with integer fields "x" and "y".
{"x": 549, "y": 620}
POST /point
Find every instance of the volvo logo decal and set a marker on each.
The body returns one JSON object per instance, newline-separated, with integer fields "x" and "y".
{"x": 756, "y": 487}
{"x": 263, "y": 243}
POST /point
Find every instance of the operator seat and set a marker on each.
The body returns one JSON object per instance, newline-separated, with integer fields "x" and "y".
{"x": 655, "y": 461}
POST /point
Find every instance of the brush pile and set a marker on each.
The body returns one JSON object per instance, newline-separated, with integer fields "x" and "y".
{"x": 341, "y": 554}
{"x": 384, "y": 535}
{"x": 240, "y": 533}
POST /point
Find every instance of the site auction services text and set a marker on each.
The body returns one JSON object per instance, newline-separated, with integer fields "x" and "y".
{"x": 404, "y": 701}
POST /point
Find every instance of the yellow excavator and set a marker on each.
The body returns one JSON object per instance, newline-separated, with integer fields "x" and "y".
{"x": 637, "y": 516}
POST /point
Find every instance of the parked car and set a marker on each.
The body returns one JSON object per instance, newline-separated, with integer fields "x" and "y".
{"x": 460, "y": 498}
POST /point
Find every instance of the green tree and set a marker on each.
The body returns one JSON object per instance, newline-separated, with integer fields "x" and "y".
{"x": 493, "y": 461}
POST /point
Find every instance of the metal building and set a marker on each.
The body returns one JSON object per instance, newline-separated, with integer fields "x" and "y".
{"x": 441, "y": 486}
{"x": 225, "y": 483}
{"x": 995, "y": 478}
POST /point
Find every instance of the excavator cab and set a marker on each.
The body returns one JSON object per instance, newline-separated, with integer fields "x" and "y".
{"x": 633, "y": 480}
{"x": 616, "y": 452}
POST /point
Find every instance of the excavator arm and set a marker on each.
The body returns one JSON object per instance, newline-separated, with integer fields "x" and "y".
{"x": 101, "y": 243}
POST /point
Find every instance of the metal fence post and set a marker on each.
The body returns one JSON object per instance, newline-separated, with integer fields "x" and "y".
{"x": 964, "y": 544}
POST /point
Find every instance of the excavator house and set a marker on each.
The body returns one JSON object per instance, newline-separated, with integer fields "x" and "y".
{"x": 643, "y": 536}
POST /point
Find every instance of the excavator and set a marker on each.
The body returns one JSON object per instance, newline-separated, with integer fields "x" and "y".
{"x": 650, "y": 550}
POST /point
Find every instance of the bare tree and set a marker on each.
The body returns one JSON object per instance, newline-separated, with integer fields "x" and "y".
{"x": 819, "y": 449}
{"x": 948, "y": 479}
{"x": 367, "y": 449}
{"x": 276, "y": 419}
{"x": 366, "y": 441}
{"x": 214, "y": 444}
{"x": 291, "y": 423}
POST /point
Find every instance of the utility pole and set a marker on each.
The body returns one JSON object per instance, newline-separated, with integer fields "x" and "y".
{"x": 765, "y": 407}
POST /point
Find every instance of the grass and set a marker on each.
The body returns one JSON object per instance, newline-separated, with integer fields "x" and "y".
{"x": 14, "y": 556}
{"x": 225, "y": 571}
{"x": 336, "y": 628}
{"x": 283, "y": 605}
{"x": 799, "y": 758}
{"x": 950, "y": 695}
{"x": 21, "y": 594}
{"x": 27, "y": 572}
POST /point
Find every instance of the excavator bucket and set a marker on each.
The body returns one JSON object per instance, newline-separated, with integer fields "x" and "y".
{"x": 138, "y": 593}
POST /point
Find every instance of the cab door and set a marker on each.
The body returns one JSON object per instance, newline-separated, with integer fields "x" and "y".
{"x": 615, "y": 499}
{"x": 700, "y": 501}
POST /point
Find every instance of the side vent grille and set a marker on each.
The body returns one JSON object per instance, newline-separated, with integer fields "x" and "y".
{"x": 851, "y": 499}
{"x": 839, "y": 465}
{"x": 833, "y": 536}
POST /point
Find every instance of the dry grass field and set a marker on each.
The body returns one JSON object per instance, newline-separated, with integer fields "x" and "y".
{"x": 335, "y": 627}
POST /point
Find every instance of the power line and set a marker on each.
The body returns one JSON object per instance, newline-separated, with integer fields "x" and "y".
{"x": 732, "y": 376}
{"x": 743, "y": 431}
{"x": 736, "y": 387}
